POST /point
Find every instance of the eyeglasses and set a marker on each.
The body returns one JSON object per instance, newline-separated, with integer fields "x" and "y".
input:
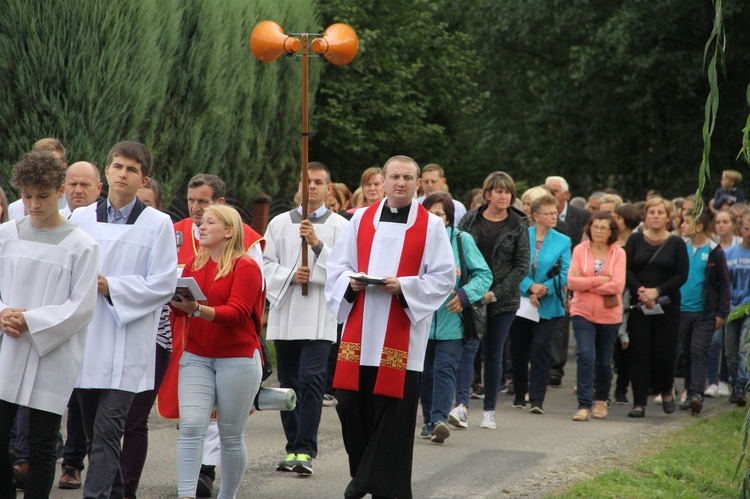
{"x": 600, "y": 229}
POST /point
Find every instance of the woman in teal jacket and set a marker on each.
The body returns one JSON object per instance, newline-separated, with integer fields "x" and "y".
{"x": 543, "y": 291}
{"x": 444, "y": 348}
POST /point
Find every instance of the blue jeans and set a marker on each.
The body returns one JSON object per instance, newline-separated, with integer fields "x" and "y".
{"x": 594, "y": 346}
{"x": 465, "y": 373}
{"x": 438, "y": 382}
{"x": 736, "y": 337}
{"x": 231, "y": 384}
{"x": 493, "y": 344}
{"x": 302, "y": 366}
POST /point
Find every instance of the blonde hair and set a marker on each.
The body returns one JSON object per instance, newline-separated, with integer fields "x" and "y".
{"x": 733, "y": 176}
{"x": 611, "y": 198}
{"x": 536, "y": 192}
{"x": 656, "y": 201}
{"x": 232, "y": 247}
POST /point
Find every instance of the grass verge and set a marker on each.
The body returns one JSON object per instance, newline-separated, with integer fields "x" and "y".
{"x": 695, "y": 461}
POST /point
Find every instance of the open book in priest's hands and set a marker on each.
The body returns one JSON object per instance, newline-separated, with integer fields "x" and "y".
{"x": 360, "y": 276}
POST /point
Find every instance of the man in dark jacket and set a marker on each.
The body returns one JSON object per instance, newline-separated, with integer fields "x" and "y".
{"x": 571, "y": 222}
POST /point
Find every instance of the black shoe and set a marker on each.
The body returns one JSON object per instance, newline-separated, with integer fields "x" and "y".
{"x": 695, "y": 402}
{"x": 519, "y": 402}
{"x": 621, "y": 398}
{"x": 206, "y": 481}
{"x": 637, "y": 412}
{"x": 668, "y": 405}
{"x": 733, "y": 396}
{"x": 536, "y": 407}
{"x": 510, "y": 390}
{"x": 353, "y": 492}
{"x": 741, "y": 399}
{"x": 554, "y": 381}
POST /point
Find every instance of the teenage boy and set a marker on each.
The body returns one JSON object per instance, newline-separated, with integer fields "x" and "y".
{"x": 301, "y": 327}
{"x": 736, "y": 332}
{"x": 138, "y": 273}
{"x": 42, "y": 326}
{"x": 704, "y": 306}
{"x": 50, "y": 145}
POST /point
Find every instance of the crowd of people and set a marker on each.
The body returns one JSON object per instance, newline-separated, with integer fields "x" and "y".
{"x": 379, "y": 301}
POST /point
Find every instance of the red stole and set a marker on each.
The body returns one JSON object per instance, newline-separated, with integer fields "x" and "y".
{"x": 392, "y": 370}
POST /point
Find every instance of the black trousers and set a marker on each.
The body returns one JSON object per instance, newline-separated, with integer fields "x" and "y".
{"x": 43, "y": 429}
{"x": 378, "y": 435}
{"x": 530, "y": 344}
{"x": 653, "y": 339}
{"x": 696, "y": 332}
{"x": 559, "y": 347}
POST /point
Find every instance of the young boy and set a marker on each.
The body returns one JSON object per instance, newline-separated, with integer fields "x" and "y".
{"x": 138, "y": 273}
{"x": 736, "y": 332}
{"x": 728, "y": 194}
{"x": 704, "y": 306}
{"x": 42, "y": 326}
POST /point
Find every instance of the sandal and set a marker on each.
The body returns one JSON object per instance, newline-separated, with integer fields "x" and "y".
{"x": 581, "y": 415}
{"x": 600, "y": 409}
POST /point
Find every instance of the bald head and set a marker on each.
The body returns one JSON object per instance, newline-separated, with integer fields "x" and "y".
{"x": 82, "y": 184}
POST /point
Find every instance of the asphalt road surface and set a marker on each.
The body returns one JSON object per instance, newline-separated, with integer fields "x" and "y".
{"x": 528, "y": 455}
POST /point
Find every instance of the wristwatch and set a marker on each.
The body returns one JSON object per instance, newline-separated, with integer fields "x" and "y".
{"x": 198, "y": 311}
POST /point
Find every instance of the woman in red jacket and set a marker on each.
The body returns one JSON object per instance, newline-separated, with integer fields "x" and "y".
{"x": 597, "y": 279}
{"x": 221, "y": 364}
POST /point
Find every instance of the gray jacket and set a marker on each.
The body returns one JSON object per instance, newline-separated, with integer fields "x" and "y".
{"x": 510, "y": 258}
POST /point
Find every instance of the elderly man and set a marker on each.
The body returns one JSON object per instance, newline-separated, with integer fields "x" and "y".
{"x": 574, "y": 220}
{"x": 386, "y": 326}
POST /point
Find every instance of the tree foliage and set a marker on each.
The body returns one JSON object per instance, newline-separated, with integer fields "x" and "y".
{"x": 176, "y": 75}
{"x": 413, "y": 79}
{"x": 607, "y": 93}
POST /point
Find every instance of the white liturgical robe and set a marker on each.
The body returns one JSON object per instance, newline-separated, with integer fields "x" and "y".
{"x": 292, "y": 316}
{"x": 140, "y": 264}
{"x": 424, "y": 293}
{"x": 56, "y": 284}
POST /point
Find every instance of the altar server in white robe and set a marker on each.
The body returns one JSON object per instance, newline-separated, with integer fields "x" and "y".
{"x": 386, "y": 327}
{"x": 137, "y": 276}
{"x": 301, "y": 327}
{"x": 48, "y": 281}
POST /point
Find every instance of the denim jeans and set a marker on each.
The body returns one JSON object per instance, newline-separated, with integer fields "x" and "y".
{"x": 493, "y": 344}
{"x": 736, "y": 337}
{"x": 594, "y": 346}
{"x": 717, "y": 359}
{"x": 230, "y": 383}
{"x": 465, "y": 374}
{"x": 438, "y": 382}
{"x": 42, "y": 446}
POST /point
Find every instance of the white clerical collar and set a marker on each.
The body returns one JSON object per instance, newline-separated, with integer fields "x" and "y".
{"x": 315, "y": 214}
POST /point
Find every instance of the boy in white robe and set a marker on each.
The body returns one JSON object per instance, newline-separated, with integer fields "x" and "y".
{"x": 386, "y": 327}
{"x": 48, "y": 270}
{"x": 138, "y": 274}
{"x": 301, "y": 327}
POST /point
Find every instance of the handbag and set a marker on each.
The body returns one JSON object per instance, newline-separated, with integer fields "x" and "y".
{"x": 475, "y": 315}
{"x": 610, "y": 301}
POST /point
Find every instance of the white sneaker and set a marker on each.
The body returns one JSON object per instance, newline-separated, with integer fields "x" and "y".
{"x": 712, "y": 391}
{"x": 458, "y": 417}
{"x": 658, "y": 400}
{"x": 683, "y": 396}
{"x": 488, "y": 420}
{"x": 724, "y": 389}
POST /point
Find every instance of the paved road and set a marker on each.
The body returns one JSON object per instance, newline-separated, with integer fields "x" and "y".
{"x": 473, "y": 463}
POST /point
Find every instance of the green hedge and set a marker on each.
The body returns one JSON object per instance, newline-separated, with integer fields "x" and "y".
{"x": 176, "y": 75}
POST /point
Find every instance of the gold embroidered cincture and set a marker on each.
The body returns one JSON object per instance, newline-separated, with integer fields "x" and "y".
{"x": 393, "y": 358}
{"x": 349, "y": 351}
